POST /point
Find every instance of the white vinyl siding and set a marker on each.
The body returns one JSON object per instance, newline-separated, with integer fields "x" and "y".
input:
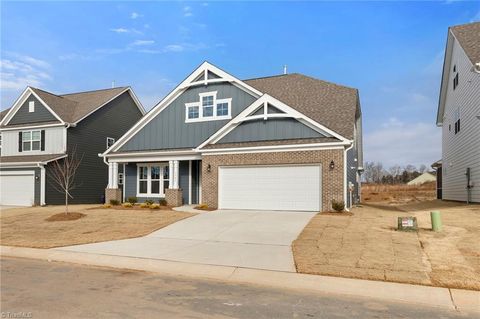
{"x": 461, "y": 150}
{"x": 54, "y": 142}
{"x": 289, "y": 188}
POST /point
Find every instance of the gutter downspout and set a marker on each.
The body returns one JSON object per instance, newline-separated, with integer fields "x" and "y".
{"x": 345, "y": 186}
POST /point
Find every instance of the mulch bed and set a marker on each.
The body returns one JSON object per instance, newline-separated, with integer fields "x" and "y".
{"x": 135, "y": 207}
{"x": 208, "y": 209}
{"x": 337, "y": 213}
{"x": 62, "y": 217}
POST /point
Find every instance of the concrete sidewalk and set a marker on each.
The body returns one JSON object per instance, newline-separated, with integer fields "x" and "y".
{"x": 463, "y": 300}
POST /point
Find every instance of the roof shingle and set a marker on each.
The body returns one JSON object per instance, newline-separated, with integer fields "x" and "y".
{"x": 468, "y": 35}
{"x": 329, "y": 104}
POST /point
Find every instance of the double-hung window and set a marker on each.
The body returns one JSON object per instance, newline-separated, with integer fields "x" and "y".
{"x": 31, "y": 141}
{"x": 153, "y": 179}
{"x": 208, "y": 108}
{"x": 207, "y": 105}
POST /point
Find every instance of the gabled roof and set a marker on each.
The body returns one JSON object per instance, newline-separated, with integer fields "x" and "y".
{"x": 329, "y": 104}
{"x": 73, "y": 107}
{"x": 468, "y": 35}
{"x": 18, "y": 159}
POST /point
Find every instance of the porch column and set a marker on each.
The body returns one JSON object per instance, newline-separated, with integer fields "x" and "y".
{"x": 170, "y": 174}
{"x": 176, "y": 174}
{"x": 112, "y": 175}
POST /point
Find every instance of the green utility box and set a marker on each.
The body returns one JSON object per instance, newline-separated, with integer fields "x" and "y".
{"x": 436, "y": 220}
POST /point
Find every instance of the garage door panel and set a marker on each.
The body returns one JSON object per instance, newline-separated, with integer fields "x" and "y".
{"x": 17, "y": 188}
{"x": 270, "y": 187}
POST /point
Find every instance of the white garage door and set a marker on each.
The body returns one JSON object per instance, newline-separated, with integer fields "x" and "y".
{"x": 17, "y": 188}
{"x": 270, "y": 187}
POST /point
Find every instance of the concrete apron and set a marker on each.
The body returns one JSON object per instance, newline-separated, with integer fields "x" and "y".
{"x": 463, "y": 300}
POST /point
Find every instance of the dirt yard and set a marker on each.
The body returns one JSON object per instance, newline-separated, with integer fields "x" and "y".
{"x": 367, "y": 245}
{"x": 398, "y": 193}
{"x": 27, "y": 227}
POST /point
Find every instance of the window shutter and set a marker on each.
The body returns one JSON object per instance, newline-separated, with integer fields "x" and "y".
{"x": 42, "y": 143}
{"x": 19, "y": 141}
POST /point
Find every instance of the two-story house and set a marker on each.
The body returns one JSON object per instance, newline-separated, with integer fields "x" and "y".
{"x": 287, "y": 142}
{"x": 459, "y": 116}
{"x": 43, "y": 127}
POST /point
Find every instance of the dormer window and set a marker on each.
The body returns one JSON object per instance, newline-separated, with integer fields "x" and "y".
{"x": 31, "y": 106}
{"x": 208, "y": 108}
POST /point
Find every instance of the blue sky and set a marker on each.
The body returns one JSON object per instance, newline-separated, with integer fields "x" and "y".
{"x": 391, "y": 51}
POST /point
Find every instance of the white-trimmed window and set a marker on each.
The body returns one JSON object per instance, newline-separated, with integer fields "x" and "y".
{"x": 152, "y": 181}
{"x": 208, "y": 108}
{"x": 31, "y": 141}
{"x": 110, "y": 141}
{"x": 31, "y": 106}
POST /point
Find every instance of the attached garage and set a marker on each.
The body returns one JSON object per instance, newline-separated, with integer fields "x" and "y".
{"x": 279, "y": 187}
{"x": 17, "y": 188}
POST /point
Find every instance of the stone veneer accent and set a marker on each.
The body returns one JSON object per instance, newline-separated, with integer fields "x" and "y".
{"x": 113, "y": 193}
{"x": 174, "y": 197}
{"x": 332, "y": 180}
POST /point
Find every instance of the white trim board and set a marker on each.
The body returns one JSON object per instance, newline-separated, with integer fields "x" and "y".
{"x": 184, "y": 85}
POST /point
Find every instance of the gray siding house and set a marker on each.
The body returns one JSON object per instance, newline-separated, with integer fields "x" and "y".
{"x": 287, "y": 142}
{"x": 41, "y": 128}
{"x": 459, "y": 116}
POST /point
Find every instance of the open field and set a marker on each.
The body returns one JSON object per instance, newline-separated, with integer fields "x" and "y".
{"x": 27, "y": 227}
{"x": 398, "y": 193}
{"x": 367, "y": 245}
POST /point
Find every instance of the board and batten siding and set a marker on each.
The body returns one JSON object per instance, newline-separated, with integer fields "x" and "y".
{"x": 461, "y": 150}
{"x": 168, "y": 129}
{"x": 89, "y": 138}
{"x": 54, "y": 142}
{"x": 269, "y": 130}
{"x": 40, "y": 113}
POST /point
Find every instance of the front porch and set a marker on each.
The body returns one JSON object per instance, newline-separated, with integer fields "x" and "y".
{"x": 176, "y": 181}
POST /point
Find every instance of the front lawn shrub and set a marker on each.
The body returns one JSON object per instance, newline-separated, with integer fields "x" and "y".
{"x": 107, "y": 206}
{"x": 127, "y": 205}
{"x": 149, "y": 202}
{"x": 155, "y": 206}
{"x": 132, "y": 200}
{"x": 114, "y": 202}
{"x": 144, "y": 205}
{"x": 338, "y": 206}
{"x": 162, "y": 202}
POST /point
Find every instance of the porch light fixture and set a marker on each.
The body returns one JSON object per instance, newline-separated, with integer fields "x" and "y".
{"x": 209, "y": 168}
{"x": 332, "y": 165}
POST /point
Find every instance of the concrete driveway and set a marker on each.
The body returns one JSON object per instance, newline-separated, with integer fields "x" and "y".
{"x": 251, "y": 239}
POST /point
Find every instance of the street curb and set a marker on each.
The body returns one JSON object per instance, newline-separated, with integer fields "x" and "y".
{"x": 416, "y": 294}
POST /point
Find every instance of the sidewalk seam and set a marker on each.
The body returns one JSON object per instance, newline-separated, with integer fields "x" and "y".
{"x": 453, "y": 301}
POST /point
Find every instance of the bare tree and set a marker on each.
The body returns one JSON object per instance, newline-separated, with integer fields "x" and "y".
{"x": 422, "y": 168}
{"x": 63, "y": 174}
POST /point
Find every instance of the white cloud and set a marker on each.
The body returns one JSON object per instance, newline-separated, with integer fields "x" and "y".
{"x": 120, "y": 30}
{"x": 187, "y": 11}
{"x": 135, "y": 15}
{"x": 143, "y": 42}
{"x": 396, "y": 142}
{"x": 476, "y": 17}
{"x": 125, "y": 30}
{"x": 174, "y": 48}
{"x": 19, "y": 71}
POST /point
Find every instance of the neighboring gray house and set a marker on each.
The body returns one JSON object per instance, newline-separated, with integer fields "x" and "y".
{"x": 287, "y": 142}
{"x": 459, "y": 115}
{"x": 42, "y": 127}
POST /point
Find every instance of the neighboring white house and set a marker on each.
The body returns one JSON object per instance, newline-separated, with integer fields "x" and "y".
{"x": 459, "y": 114}
{"x": 422, "y": 179}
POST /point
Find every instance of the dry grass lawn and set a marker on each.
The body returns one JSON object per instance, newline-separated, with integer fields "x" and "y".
{"x": 26, "y": 227}
{"x": 367, "y": 246}
{"x": 398, "y": 193}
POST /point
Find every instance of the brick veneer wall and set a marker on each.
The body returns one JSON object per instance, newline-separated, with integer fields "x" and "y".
{"x": 332, "y": 180}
